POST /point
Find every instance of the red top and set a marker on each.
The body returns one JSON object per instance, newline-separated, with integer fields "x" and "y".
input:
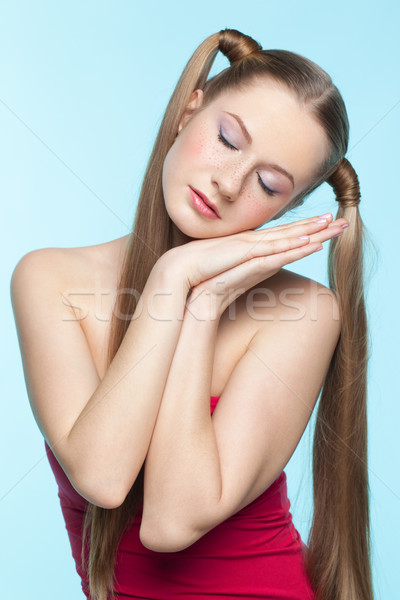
{"x": 255, "y": 554}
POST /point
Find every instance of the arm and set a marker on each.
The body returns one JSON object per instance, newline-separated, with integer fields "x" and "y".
{"x": 99, "y": 430}
{"x": 182, "y": 468}
{"x": 201, "y": 469}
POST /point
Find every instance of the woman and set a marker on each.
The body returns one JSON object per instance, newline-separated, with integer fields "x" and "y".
{"x": 163, "y": 494}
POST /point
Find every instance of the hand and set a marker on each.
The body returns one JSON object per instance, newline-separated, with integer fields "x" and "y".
{"x": 200, "y": 260}
{"x": 252, "y": 257}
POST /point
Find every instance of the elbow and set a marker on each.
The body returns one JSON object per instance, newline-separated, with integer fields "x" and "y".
{"x": 159, "y": 539}
{"x": 107, "y": 501}
{"x": 98, "y": 493}
{"x": 100, "y": 489}
{"x": 102, "y": 498}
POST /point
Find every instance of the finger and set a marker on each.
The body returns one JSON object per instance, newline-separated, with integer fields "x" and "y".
{"x": 285, "y": 251}
{"x": 295, "y": 229}
{"x": 260, "y": 246}
{"x": 327, "y": 234}
{"x": 288, "y": 256}
{"x": 298, "y": 253}
{"x": 327, "y": 216}
{"x": 277, "y": 246}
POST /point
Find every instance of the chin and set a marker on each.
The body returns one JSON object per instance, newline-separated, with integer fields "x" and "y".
{"x": 186, "y": 224}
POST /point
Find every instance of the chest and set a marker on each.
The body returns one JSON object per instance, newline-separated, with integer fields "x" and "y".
{"x": 95, "y": 307}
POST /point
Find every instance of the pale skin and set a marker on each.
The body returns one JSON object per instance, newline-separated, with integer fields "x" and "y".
{"x": 153, "y": 402}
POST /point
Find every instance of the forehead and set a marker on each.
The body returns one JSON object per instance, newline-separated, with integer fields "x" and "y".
{"x": 282, "y": 129}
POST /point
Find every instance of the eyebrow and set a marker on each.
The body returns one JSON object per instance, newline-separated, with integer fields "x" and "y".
{"x": 249, "y": 140}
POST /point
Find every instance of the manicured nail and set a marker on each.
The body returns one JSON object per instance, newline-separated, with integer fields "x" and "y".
{"x": 345, "y": 225}
{"x": 326, "y": 215}
{"x": 341, "y": 233}
{"x": 321, "y": 220}
{"x": 304, "y": 237}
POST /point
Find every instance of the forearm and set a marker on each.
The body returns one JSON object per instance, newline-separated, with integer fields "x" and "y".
{"x": 182, "y": 469}
{"x": 108, "y": 443}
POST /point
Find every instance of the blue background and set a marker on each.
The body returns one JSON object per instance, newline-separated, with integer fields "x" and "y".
{"x": 83, "y": 89}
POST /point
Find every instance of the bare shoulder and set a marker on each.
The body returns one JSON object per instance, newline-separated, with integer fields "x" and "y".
{"x": 65, "y": 267}
{"x": 71, "y": 283}
{"x": 290, "y": 297}
{"x": 51, "y": 265}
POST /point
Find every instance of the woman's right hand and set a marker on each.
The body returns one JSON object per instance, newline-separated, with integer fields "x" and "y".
{"x": 199, "y": 260}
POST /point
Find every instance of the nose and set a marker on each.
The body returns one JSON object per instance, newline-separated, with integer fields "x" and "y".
{"x": 227, "y": 183}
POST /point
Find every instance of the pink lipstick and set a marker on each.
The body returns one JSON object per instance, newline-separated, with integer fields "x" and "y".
{"x": 203, "y": 204}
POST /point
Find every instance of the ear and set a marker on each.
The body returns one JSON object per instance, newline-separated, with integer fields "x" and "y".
{"x": 195, "y": 101}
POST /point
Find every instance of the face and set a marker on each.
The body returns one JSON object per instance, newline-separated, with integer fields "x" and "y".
{"x": 249, "y": 166}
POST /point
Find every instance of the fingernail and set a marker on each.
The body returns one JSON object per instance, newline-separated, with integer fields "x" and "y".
{"x": 318, "y": 249}
{"x": 321, "y": 220}
{"x": 303, "y": 237}
{"x": 341, "y": 233}
{"x": 326, "y": 215}
{"x": 345, "y": 225}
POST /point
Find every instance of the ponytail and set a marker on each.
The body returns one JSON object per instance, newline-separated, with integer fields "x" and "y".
{"x": 339, "y": 541}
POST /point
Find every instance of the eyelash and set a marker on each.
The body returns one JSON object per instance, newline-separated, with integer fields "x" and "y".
{"x": 228, "y": 145}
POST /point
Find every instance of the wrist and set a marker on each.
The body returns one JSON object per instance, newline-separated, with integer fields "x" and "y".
{"x": 165, "y": 294}
{"x": 203, "y": 305}
{"x": 167, "y": 271}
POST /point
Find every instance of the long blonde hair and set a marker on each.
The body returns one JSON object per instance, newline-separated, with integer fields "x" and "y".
{"x": 338, "y": 557}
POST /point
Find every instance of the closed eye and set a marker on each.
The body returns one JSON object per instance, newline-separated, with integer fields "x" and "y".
{"x": 228, "y": 145}
{"x": 264, "y": 187}
{"x": 225, "y": 141}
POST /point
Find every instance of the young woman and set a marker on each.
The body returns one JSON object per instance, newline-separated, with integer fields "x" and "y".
{"x": 169, "y": 417}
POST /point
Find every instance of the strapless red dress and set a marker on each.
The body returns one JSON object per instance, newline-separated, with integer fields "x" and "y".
{"x": 255, "y": 554}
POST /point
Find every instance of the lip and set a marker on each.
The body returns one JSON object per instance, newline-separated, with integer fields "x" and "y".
{"x": 208, "y": 204}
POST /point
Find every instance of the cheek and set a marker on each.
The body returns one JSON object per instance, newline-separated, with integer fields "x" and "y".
{"x": 194, "y": 148}
{"x": 258, "y": 210}
{"x": 197, "y": 149}
{"x": 200, "y": 147}
{"x": 189, "y": 151}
